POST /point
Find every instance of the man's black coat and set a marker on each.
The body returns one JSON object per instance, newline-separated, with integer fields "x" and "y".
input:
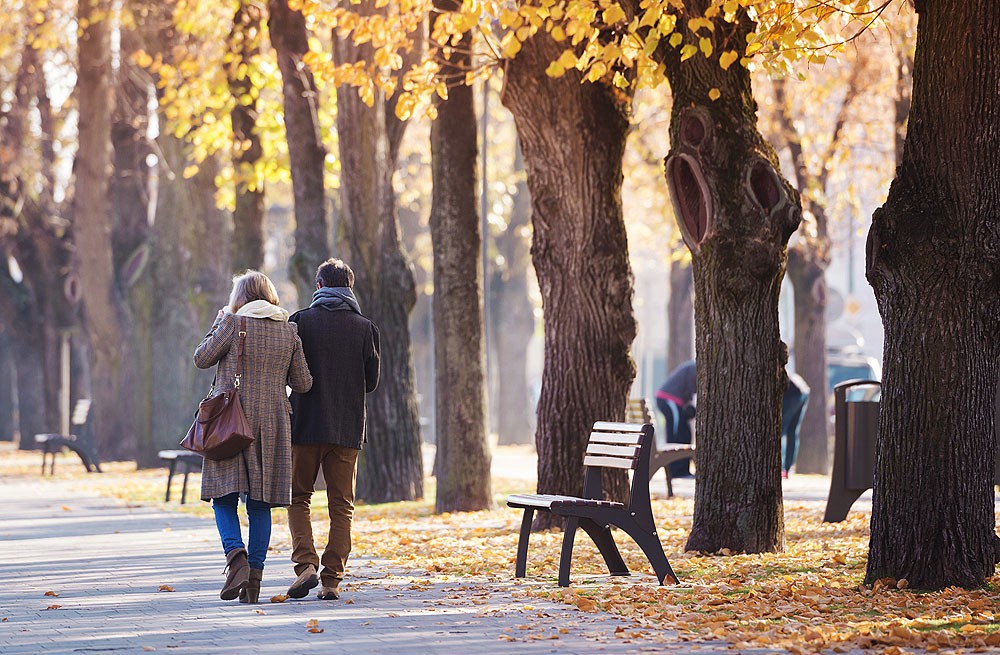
{"x": 342, "y": 350}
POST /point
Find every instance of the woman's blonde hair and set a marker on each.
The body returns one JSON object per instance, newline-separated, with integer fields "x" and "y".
{"x": 250, "y": 286}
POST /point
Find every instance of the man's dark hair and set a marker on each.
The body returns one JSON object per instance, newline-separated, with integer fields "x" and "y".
{"x": 334, "y": 273}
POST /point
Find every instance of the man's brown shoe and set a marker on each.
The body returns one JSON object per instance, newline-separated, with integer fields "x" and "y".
{"x": 328, "y": 593}
{"x": 307, "y": 580}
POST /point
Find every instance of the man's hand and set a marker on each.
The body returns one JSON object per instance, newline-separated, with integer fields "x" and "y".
{"x": 688, "y": 411}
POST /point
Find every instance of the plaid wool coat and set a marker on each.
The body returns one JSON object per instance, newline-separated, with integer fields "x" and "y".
{"x": 272, "y": 358}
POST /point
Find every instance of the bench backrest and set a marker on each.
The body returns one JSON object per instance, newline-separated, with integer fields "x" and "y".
{"x": 81, "y": 411}
{"x": 620, "y": 446}
{"x": 637, "y": 411}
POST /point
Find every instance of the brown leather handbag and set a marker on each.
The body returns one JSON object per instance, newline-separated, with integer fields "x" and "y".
{"x": 220, "y": 429}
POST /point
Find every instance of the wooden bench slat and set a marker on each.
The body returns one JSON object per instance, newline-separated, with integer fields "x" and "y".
{"x": 609, "y": 462}
{"x": 620, "y": 439}
{"x": 616, "y": 451}
{"x": 616, "y": 427}
{"x": 551, "y": 500}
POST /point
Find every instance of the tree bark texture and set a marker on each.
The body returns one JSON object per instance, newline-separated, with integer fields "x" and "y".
{"x": 391, "y": 467}
{"x": 248, "y": 217}
{"x": 513, "y": 318}
{"x": 736, "y": 214}
{"x": 933, "y": 259}
{"x": 680, "y": 315}
{"x": 580, "y": 253}
{"x": 114, "y": 428}
{"x": 463, "y": 473}
{"x": 306, "y": 152}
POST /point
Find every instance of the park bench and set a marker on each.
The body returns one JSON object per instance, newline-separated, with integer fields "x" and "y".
{"x": 611, "y": 445}
{"x": 80, "y": 440}
{"x": 190, "y": 461}
{"x": 664, "y": 454}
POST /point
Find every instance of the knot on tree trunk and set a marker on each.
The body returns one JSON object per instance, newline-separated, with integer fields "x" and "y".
{"x": 689, "y": 189}
{"x": 766, "y": 191}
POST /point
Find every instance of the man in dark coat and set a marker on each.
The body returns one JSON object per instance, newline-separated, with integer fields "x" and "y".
{"x": 673, "y": 399}
{"x": 328, "y": 423}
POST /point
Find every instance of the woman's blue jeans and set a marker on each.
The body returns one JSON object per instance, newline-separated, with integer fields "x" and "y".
{"x": 228, "y": 522}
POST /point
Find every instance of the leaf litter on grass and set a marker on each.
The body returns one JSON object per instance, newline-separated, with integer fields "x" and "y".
{"x": 807, "y": 599}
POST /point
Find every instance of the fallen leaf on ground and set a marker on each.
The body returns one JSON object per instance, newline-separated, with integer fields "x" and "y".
{"x": 51, "y": 593}
{"x": 53, "y": 607}
{"x": 165, "y": 587}
{"x": 312, "y": 625}
{"x": 280, "y": 598}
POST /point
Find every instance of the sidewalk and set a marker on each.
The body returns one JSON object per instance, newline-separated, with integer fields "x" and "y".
{"x": 134, "y": 579}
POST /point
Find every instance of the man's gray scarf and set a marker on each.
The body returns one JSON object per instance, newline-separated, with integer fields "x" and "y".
{"x": 335, "y": 299}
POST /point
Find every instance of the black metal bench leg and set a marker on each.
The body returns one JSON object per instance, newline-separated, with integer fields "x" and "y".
{"x": 52, "y": 462}
{"x": 170, "y": 477}
{"x": 839, "y": 503}
{"x": 601, "y": 534}
{"x": 651, "y": 546}
{"x": 567, "y": 549}
{"x": 521, "y": 563}
{"x": 184, "y": 487}
{"x": 670, "y": 484}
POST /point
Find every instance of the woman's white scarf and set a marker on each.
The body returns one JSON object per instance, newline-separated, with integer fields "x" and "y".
{"x": 262, "y": 309}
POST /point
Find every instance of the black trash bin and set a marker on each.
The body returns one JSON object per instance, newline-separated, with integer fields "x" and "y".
{"x": 856, "y": 406}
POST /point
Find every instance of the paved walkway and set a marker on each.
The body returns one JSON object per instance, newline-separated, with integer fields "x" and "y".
{"x": 108, "y": 563}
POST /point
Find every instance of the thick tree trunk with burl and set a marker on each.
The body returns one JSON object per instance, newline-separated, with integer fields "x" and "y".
{"x": 933, "y": 261}
{"x": 580, "y": 253}
{"x": 463, "y": 454}
{"x": 306, "y": 152}
{"x": 736, "y": 214}
{"x": 391, "y": 467}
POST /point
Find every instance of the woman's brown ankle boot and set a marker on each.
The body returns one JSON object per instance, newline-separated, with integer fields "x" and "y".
{"x": 238, "y": 574}
{"x": 251, "y": 593}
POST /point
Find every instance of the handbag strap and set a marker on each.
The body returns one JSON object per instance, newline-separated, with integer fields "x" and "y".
{"x": 239, "y": 350}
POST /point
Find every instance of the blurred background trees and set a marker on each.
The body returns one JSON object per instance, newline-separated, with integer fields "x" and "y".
{"x": 161, "y": 147}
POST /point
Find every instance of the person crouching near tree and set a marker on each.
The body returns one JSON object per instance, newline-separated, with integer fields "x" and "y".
{"x": 261, "y": 474}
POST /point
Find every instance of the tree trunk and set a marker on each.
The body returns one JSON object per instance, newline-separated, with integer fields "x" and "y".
{"x": 932, "y": 261}
{"x": 809, "y": 285}
{"x": 680, "y": 315}
{"x": 391, "y": 468}
{"x": 580, "y": 253}
{"x": 114, "y": 428}
{"x": 463, "y": 473}
{"x": 130, "y": 236}
{"x": 513, "y": 318}
{"x": 34, "y": 307}
{"x": 305, "y": 145}
{"x": 248, "y": 217}
{"x": 189, "y": 271}
{"x": 736, "y": 214}
{"x": 7, "y": 386}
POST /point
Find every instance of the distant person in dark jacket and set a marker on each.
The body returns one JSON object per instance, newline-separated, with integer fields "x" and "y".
{"x": 328, "y": 423}
{"x": 793, "y": 408}
{"x": 674, "y": 401}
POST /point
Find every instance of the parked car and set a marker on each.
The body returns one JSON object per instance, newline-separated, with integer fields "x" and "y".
{"x": 850, "y": 364}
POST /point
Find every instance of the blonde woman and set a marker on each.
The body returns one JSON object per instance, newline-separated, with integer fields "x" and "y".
{"x": 261, "y": 474}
